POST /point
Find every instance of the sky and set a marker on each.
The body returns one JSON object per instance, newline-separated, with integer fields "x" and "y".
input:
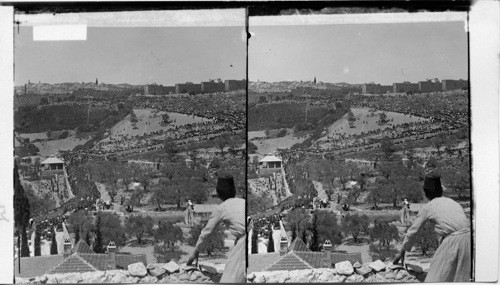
{"x": 134, "y": 55}
{"x": 359, "y": 53}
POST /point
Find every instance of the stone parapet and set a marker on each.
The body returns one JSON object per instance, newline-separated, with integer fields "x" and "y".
{"x": 396, "y": 274}
{"x": 134, "y": 275}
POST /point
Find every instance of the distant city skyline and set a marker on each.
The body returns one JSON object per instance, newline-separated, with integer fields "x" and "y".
{"x": 133, "y": 55}
{"x": 359, "y": 53}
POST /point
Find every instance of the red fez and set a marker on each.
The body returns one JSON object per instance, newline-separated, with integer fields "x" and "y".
{"x": 432, "y": 186}
{"x": 225, "y": 185}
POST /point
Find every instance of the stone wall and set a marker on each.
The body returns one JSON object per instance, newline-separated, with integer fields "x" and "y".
{"x": 136, "y": 273}
{"x": 344, "y": 272}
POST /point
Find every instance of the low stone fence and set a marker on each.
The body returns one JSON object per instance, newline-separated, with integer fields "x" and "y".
{"x": 137, "y": 273}
{"x": 345, "y": 272}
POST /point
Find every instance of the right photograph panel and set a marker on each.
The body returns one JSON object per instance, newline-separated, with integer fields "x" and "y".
{"x": 359, "y": 149}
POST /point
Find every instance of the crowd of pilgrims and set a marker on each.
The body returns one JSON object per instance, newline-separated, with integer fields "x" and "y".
{"x": 223, "y": 112}
{"x": 262, "y": 222}
{"x": 446, "y": 112}
{"x": 450, "y": 107}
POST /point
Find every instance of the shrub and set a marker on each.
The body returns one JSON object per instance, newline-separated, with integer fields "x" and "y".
{"x": 327, "y": 228}
{"x": 354, "y": 225}
{"x": 213, "y": 242}
{"x": 384, "y": 232}
{"x": 138, "y": 226}
{"x": 281, "y": 133}
{"x": 63, "y": 135}
{"x": 252, "y": 148}
{"x": 378, "y": 251}
{"x": 426, "y": 238}
{"x": 164, "y": 253}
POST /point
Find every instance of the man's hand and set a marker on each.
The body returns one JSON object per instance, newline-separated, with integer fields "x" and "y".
{"x": 400, "y": 256}
{"x": 193, "y": 257}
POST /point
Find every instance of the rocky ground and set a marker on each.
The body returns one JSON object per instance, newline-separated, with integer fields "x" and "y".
{"x": 138, "y": 273}
{"x": 376, "y": 271}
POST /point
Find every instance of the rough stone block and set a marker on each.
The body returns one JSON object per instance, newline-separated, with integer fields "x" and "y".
{"x": 93, "y": 277}
{"x": 220, "y": 268}
{"x": 251, "y": 276}
{"x": 208, "y": 267}
{"x": 377, "y": 265}
{"x": 326, "y": 276}
{"x": 196, "y": 276}
{"x": 184, "y": 277}
{"x": 132, "y": 279}
{"x": 355, "y": 278}
{"x": 72, "y": 278}
{"x": 390, "y": 275}
{"x": 301, "y": 276}
{"x": 19, "y": 280}
{"x": 363, "y": 270}
{"x": 164, "y": 279}
{"x": 344, "y": 268}
{"x": 399, "y": 276}
{"x": 259, "y": 278}
{"x": 43, "y": 278}
{"x": 156, "y": 271}
{"x": 149, "y": 280}
{"x": 118, "y": 277}
{"x": 356, "y": 265}
{"x": 277, "y": 277}
{"x": 171, "y": 267}
{"x": 340, "y": 278}
{"x": 392, "y": 266}
{"x": 137, "y": 269}
{"x": 414, "y": 266}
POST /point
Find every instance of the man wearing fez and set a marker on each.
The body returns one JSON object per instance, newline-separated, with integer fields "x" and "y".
{"x": 231, "y": 212}
{"x": 452, "y": 260}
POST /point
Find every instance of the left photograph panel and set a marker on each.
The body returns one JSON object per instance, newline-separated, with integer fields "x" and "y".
{"x": 130, "y": 147}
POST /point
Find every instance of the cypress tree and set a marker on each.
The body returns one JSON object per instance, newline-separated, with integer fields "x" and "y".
{"x": 315, "y": 239}
{"x": 53, "y": 244}
{"x": 304, "y": 236}
{"x": 254, "y": 242}
{"x": 25, "y": 250}
{"x": 98, "y": 248}
{"x": 21, "y": 203}
{"x": 77, "y": 234}
{"x": 37, "y": 241}
{"x": 294, "y": 232}
{"x": 270, "y": 244}
{"x": 87, "y": 238}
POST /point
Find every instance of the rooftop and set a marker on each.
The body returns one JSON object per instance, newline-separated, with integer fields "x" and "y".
{"x": 82, "y": 259}
{"x": 36, "y": 266}
{"x": 52, "y": 160}
{"x": 270, "y": 158}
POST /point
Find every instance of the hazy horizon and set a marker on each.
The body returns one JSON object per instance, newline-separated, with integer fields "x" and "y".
{"x": 133, "y": 55}
{"x": 359, "y": 53}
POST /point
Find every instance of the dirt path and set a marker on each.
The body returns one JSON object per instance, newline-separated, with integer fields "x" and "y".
{"x": 104, "y": 193}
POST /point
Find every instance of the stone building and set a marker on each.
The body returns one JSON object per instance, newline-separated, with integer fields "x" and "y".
{"x": 212, "y": 87}
{"x": 232, "y": 85}
{"x": 187, "y": 87}
{"x": 372, "y": 88}
{"x": 404, "y": 87}
{"x": 429, "y": 86}
{"x": 449, "y": 84}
